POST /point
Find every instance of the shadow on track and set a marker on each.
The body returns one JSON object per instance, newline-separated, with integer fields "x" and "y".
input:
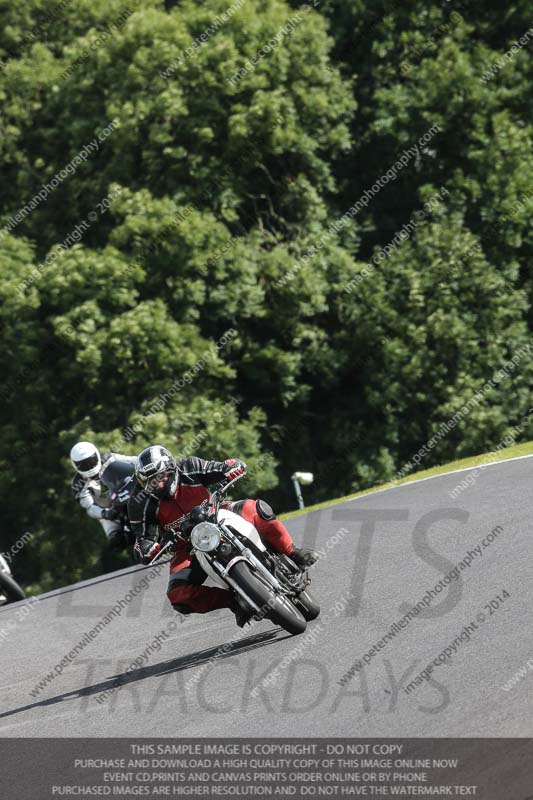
{"x": 163, "y": 668}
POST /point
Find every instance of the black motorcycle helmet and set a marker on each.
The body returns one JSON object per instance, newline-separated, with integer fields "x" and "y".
{"x": 156, "y": 471}
{"x": 119, "y": 477}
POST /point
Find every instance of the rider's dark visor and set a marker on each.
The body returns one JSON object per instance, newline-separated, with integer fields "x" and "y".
{"x": 87, "y": 463}
{"x": 157, "y": 481}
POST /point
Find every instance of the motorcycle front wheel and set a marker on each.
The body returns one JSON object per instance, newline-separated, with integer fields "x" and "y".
{"x": 308, "y": 606}
{"x": 10, "y": 588}
{"x": 278, "y": 608}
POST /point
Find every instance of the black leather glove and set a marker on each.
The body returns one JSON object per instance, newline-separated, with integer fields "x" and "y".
{"x": 145, "y": 550}
{"x": 109, "y": 513}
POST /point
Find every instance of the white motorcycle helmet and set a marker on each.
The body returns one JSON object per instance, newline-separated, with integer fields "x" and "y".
{"x": 86, "y": 459}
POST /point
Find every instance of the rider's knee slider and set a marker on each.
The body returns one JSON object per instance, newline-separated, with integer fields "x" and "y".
{"x": 264, "y": 510}
{"x": 181, "y": 608}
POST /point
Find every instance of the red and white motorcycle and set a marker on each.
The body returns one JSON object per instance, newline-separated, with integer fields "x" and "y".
{"x": 232, "y": 554}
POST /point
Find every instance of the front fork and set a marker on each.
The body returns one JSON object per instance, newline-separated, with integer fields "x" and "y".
{"x": 244, "y": 554}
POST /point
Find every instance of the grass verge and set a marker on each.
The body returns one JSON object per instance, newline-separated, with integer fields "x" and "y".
{"x": 524, "y": 449}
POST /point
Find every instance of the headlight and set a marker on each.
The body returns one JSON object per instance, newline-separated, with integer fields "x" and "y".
{"x": 205, "y": 537}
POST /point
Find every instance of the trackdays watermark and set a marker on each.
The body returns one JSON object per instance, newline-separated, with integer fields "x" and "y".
{"x": 332, "y": 542}
{"x": 311, "y": 635}
{"x": 307, "y": 640}
{"x": 306, "y": 684}
{"x": 154, "y": 647}
{"x": 226, "y": 648}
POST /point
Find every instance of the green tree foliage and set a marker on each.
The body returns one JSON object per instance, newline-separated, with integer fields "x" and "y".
{"x": 200, "y": 244}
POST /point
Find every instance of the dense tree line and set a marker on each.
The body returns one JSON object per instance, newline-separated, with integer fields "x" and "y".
{"x": 345, "y": 187}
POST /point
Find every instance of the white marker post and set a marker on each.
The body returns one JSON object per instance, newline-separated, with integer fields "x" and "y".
{"x": 300, "y": 479}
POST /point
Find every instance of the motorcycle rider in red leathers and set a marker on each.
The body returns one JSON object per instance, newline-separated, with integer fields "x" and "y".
{"x": 168, "y": 490}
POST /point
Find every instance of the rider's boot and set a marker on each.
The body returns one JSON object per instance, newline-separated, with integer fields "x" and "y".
{"x": 303, "y": 556}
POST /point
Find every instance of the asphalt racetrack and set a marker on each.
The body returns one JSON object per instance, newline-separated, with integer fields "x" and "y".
{"x": 381, "y": 554}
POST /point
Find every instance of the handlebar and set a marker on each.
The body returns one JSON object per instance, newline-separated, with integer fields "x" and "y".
{"x": 220, "y": 491}
{"x": 212, "y": 505}
{"x": 158, "y": 556}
